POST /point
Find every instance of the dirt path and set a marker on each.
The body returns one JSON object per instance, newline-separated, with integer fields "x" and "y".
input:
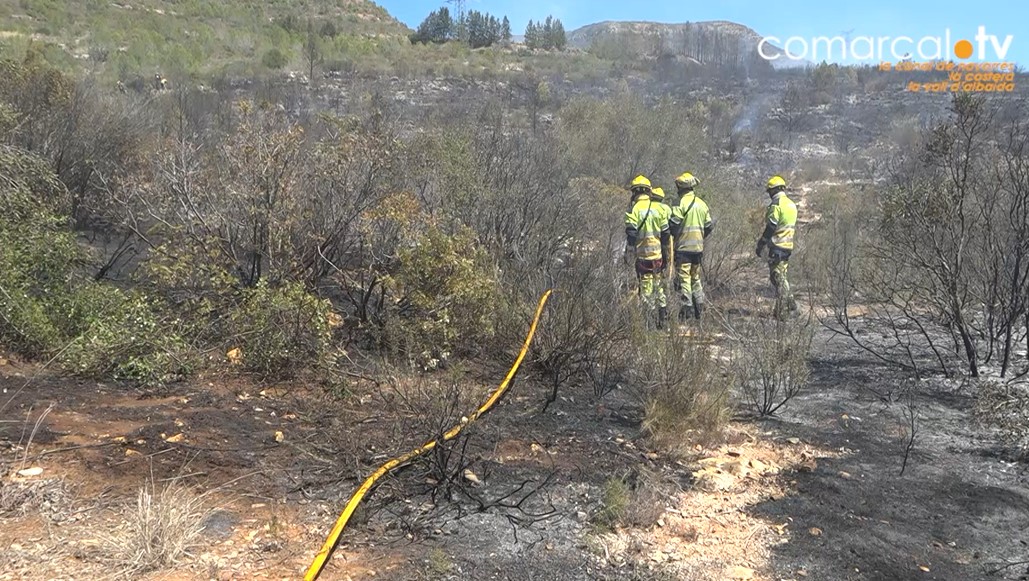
{"x": 816, "y": 494}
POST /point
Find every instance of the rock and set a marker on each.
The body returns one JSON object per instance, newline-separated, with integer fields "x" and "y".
{"x": 175, "y": 439}
{"x": 471, "y": 477}
{"x": 714, "y": 479}
{"x": 29, "y": 472}
{"x": 793, "y": 441}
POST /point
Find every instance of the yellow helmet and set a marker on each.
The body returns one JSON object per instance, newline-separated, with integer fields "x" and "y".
{"x": 776, "y": 182}
{"x": 640, "y": 183}
{"x": 687, "y": 181}
{"x": 658, "y": 193}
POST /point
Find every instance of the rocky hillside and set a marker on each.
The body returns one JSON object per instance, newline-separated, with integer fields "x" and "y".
{"x": 716, "y": 42}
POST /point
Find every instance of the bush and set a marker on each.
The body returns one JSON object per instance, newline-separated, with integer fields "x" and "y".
{"x": 281, "y": 331}
{"x": 589, "y": 320}
{"x": 37, "y": 257}
{"x": 446, "y": 298}
{"x": 684, "y": 392}
{"x": 165, "y": 525}
{"x": 274, "y": 59}
{"x": 770, "y": 360}
{"x": 635, "y": 500}
{"x": 614, "y": 501}
{"x": 46, "y": 304}
{"x": 1005, "y": 407}
{"x": 127, "y": 339}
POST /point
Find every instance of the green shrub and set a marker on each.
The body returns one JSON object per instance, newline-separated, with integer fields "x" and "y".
{"x": 127, "y": 339}
{"x": 614, "y": 502}
{"x": 274, "y": 59}
{"x": 281, "y": 331}
{"x": 634, "y": 500}
{"x": 47, "y": 305}
{"x": 37, "y": 256}
{"x": 446, "y": 295}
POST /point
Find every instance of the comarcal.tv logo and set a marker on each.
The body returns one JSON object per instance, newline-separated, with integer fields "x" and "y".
{"x": 984, "y": 47}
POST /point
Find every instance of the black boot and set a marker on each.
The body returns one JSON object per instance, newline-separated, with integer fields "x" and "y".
{"x": 685, "y": 312}
{"x": 698, "y": 309}
{"x": 662, "y": 315}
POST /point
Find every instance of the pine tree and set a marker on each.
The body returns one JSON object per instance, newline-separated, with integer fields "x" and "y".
{"x": 505, "y": 30}
{"x": 558, "y": 38}
{"x": 494, "y": 30}
{"x": 532, "y": 35}
{"x": 545, "y": 33}
{"x": 478, "y": 30}
{"x": 438, "y": 27}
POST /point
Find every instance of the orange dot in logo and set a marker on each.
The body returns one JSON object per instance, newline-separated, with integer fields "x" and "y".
{"x": 962, "y": 49}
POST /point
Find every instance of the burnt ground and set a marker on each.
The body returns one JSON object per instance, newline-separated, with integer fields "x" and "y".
{"x": 959, "y": 511}
{"x": 820, "y": 497}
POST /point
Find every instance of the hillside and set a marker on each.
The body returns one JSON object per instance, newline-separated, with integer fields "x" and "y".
{"x": 139, "y": 36}
{"x": 716, "y": 42}
{"x": 132, "y": 39}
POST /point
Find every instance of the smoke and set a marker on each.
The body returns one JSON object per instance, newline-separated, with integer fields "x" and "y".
{"x": 753, "y": 108}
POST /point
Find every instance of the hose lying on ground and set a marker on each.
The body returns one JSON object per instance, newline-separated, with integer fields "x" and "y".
{"x": 330, "y": 543}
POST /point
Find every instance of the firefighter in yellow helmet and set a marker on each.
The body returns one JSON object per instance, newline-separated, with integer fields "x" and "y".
{"x": 780, "y": 227}
{"x": 691, "y": 223}
{"x": 646, "y": 240}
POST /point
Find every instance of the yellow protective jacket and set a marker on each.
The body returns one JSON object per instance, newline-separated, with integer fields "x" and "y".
{"x": 646, "y": 228}
{"x": 781, "y": 223}
{"x": 691, "y": 222}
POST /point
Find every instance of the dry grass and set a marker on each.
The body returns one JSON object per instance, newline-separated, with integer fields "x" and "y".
{"x": 685, "y": 394}
{"x": 49, "y": 496}
{"x": 160, "y": 530}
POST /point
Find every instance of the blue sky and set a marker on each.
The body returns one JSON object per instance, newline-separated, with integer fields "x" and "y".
{"x": 782, "y": 18}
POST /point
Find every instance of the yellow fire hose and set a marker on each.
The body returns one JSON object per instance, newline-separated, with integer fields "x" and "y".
{"x": 330, "y": 543}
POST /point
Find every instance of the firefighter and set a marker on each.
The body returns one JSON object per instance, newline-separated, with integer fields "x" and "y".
{"x": 646, "y": 243}
{"x": 780, "y": 226}
{"x": 658, "y": 196}
{"x": 690, "y": 224}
